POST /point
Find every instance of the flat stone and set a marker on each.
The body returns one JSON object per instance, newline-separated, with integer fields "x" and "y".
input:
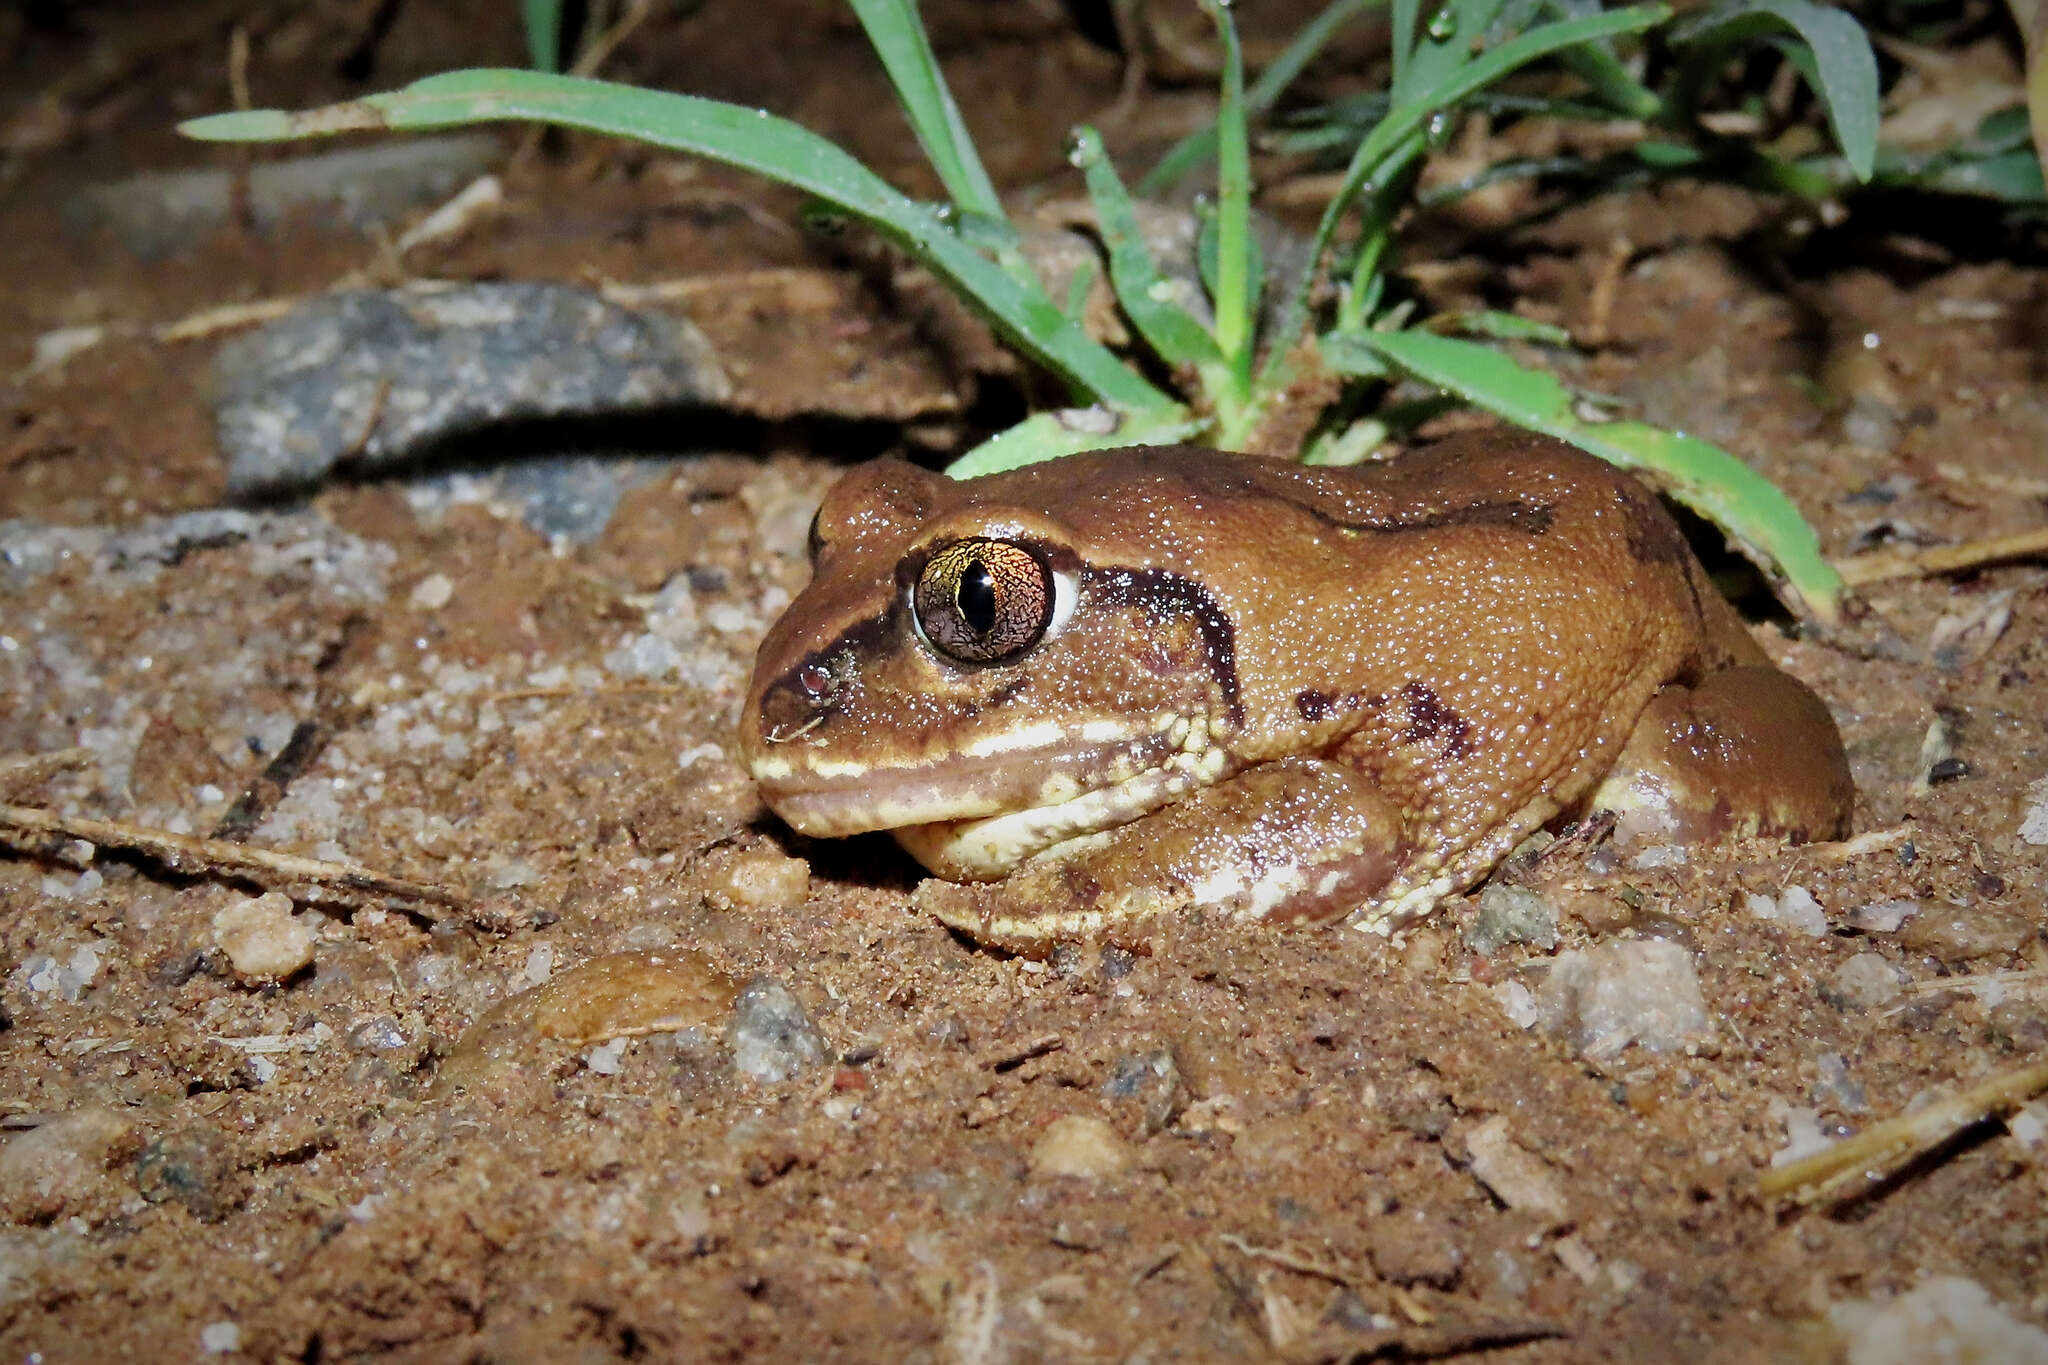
{"x": 380, "y": 378}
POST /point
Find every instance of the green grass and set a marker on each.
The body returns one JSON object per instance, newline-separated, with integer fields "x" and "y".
{"x": 1229, "y": 376}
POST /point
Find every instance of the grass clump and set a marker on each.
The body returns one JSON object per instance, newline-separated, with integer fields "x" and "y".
{"x": 1343, "y": 324}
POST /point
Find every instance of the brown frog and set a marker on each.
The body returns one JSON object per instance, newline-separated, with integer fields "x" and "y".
{"x": 1098, "y": 691}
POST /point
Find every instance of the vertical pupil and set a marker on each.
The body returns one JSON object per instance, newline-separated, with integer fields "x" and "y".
{"x": 977, "y": 598}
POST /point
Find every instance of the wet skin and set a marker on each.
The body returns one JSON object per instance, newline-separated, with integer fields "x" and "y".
{"x": 1096, "y": 694}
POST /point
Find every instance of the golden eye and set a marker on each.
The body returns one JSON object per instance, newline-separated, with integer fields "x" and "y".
{"x": 983, "y": 601}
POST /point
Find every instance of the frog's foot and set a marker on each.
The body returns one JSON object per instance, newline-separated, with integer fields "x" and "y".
{"x": 1292, "y": 842}
{"x": 1749, "y": 751}
{"x": 1426, "y": 880}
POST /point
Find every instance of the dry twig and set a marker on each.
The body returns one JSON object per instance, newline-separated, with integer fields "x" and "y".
{"x": 185, "y": 853}
{"x": 1858, "y": 1164}
{"x": 21, "y": 771}
{"x": 1875, "y": 568}
{"x": 1288, "y": 1260}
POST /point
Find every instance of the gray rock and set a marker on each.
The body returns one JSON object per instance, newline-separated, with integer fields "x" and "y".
{"x": 193, "y": 1167}
{"x": 123, "y": 559}
{"x": 771, "y": 1036}
{"x": 159, "y": 212}
{"x": 1836, "y": 1089}
{"x": 574, "y": 496}
{"x": 377, "y": 378}
{"x": 1151, "y": 1080}
{"x": 1511, "y": 914}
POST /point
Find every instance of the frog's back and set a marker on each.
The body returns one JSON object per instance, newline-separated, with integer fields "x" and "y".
{"x": 1479, "y": 624}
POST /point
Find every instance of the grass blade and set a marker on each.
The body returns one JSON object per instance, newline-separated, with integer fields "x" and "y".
{"x": 1398, "y": 139}
{"x": 1197, "y": 147}
{"x": 1049, "y": 435}
{"x": 543, "y": 33}
{"x": 1761, "y": 520}
{"x": 1842, "y": 69}
{"x": 1237, "y": 289}
{"x": 1141, "y": 291}
{"x": 751, "y": 139}
{"x": 899, "y": 39}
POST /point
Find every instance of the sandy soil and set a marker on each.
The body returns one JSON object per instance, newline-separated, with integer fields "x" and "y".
{"x": 546, "y": 1123}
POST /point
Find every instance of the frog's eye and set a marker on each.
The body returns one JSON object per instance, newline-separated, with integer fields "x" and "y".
{"x": 983, "y": 601}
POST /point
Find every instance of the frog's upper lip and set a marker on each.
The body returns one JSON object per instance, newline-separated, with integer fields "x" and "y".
{"x": 827, "y": 797}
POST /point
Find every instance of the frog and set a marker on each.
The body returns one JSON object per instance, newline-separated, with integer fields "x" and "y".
{"x": 1126, "y": 692}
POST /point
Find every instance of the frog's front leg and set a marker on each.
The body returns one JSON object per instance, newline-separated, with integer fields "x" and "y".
{"x": 1294, "y": 841}
{"x": 1748, "y": 751}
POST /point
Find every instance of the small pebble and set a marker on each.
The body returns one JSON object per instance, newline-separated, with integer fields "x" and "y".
{"x": 263, "y": 939}
{"x": 1661, "y": 855}
{"x": 432, "y": 593}
{"x": 193, "y": 1167}
{"x": 220, "y": 1338}
{"x": 1953, "y": 933}
{"x": 1409, "y": 1247}
{"x": 2034, "y": 821}
{"x": 1882, "y": 917}
{"x": 1641, "y": 991}
{"x": 1865, "y": 982}
{"x": 1946, "y": 1318}
{"x": 1518, "y": 1177}
{"x": 1793, "y": 908}
{"x": 1516, "y": 1001}
{"x": 608, "y": 1059}
{"x": 1152, "y": 1079}
{"x": 1511, "y": 914}
{"x": 1422, "y": 957}
{"x": 771, "y": 1036}
{"x": 2029, "y": 1127}
{"x": 1836, "y": 1088}
{"x": 60, "y": 1168}
{"x": 761, "y": 878}
{"x": 1080, "y": 1146}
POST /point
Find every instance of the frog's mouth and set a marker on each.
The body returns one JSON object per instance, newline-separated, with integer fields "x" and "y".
{"x": 972, "y": 817}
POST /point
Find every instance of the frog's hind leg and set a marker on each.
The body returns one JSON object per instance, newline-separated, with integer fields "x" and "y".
{"x": 1746, "y": 751}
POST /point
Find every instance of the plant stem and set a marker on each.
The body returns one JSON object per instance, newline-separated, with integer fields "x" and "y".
{"x": 1236, "y": 292}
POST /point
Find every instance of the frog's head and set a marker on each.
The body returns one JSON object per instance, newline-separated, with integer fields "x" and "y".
{"x": 991, "y": 666}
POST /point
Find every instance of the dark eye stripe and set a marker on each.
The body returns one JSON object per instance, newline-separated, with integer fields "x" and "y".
{"x": 983, "y": 601}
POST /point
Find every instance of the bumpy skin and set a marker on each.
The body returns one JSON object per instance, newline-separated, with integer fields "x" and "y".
{"x": 1273, "y": 691}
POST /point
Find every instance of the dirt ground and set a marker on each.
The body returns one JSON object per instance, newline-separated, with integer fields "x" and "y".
{"x": 1306, "y": 1146}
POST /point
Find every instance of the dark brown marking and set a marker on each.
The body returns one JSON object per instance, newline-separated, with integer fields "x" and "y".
{"x": 1315, "y": 706}
{"x": 1508, "y": 514}
{"x": 1007, "y": 692}
{"x": 793, "y": 700}
{"x": 1429, "y": 718}
{"x": 1166, "y": 595}
{"x": 1654, "y": 538}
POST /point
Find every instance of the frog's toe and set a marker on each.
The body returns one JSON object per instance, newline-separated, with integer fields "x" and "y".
{"x": 1749, "y": 751}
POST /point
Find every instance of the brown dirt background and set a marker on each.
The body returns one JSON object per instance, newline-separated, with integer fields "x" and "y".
{"x": 1308, "y": 1172}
